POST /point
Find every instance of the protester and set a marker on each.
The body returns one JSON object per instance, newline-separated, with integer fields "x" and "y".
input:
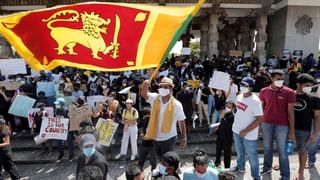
{"x": 278, "y": 104}
{"x": 203, "y": 104}
{"x": 130, "y": 130}
{"x": 312, "y": 151}
{"x": 224, "y": 139}
{"x": 147, "y": 147}
{"x": 91, "y": 173}
{"x": 307, "y": 108}
{"x": 200, "y": 170}
{"x": 89, "y": 156}
{"x": 168, "y": 167}
{"x": 134, "y": 172}
{"x": 5, "y": 158}
{"x": 166, "y": 111}
{"x": 245, "y": 129}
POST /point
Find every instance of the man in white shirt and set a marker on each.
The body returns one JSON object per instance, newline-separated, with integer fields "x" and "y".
{"x": 246, "y": 126}
{"x": 164, "y": 134}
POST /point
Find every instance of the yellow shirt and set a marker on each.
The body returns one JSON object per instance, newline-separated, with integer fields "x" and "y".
{"x": 130, "y": 116}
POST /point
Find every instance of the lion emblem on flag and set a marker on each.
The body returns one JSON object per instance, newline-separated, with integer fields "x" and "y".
{"x": 90, "y": 35}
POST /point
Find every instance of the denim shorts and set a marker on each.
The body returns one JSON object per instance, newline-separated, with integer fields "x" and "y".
{"x": 302, "y": 138}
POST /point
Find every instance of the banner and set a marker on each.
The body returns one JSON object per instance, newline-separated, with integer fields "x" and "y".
{"x": 220, "y": 80}
{"x": 54, "y": 128}
{"x": 97, "y": 36}
{"x": 77, "y": 115}
{"x": 48, "y": 110}
{"x": 20, "y": 106}
{"x": 12, "y": 66}
{"x": 10, "y": 85}
{"x": 46, "y": 87}
{"x": 106, "y": 129}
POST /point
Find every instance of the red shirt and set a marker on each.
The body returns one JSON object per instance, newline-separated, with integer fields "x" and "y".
{"x": 275, "y": 104}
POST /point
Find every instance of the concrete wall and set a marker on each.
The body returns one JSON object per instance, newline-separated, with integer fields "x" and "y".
{"x": 309, "y": 43}
{"x": 277, "y": 32}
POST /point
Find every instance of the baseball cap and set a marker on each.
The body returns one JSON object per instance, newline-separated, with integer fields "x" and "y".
{"x": 87, "y": 139}
{"x": 60, "y": 101}
{"x": 172, "y": 159}
{"x": 247, "y": 81}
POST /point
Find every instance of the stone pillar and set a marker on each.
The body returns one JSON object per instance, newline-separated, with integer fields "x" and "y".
{"x": 204, "y": 37}
{"x": 6, "y": 50}
{"x": 261, "y": 38}
{"x": 213, "y": 34}
{"x": 245, "y": 35}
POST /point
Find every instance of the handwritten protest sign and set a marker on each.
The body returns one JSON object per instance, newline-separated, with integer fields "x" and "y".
{"x": 47, "y": 87}
{"x": 54, "y": 128}
{"x": 106, "y": 129}
{"x": 12, "y": 66}
{"x": 20, "y": 106}
{"x": 194, "y": 83}
{"x": 220, "y": 80}
{"x": 94, "y": 100}
{"x": 77, "y": 115}
{"x": 10, "y": 85}
{"x": 235, "y": 53}
{"x": 48, "y": 110}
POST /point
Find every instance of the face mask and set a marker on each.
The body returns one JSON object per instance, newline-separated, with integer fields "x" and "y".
{"x": 124, "y": 85}
{"x": 199, "y": 175}
{"x": 228, "y": 109}
{"x": 23, "y": 82}
{"x": 162, "y": 169}
{"x": 307, "y": 90}
{"x": 88, "y": 152}
{"x": 164, "y": 92}
{"x": 187, "y": 88}
{"x": 104, "y": 87}
{"x": 279, "y": 83}
{"x": 58, "y": 106}
{"x": 244, "y": 90}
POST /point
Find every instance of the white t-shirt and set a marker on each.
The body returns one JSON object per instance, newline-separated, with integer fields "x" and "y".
{"x": 178, "y": 116}
{"x": 233, "y": 93}
{"x": 247, "y": 111}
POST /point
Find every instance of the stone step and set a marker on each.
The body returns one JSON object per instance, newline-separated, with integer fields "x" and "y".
{"x": 39, "y": 157}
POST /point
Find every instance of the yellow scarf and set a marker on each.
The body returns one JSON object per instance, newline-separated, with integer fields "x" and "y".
{"x": 154, "y": 118}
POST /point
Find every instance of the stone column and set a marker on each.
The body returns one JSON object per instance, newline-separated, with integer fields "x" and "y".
{"x": 261, "y": 38}
{"x": 213, "y": 34}
{"x": 245, "y": 35}
{"x": 204, "y": 37}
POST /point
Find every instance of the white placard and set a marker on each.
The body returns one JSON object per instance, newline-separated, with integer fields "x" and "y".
{"x": 93, "y": 100}
{"x": 54, "y": 128}
{"x": 12, "y": 66}
{"x": 48, "y": 110}
{"x": 164, "y": 73}
{"x": 185, "y": 51}
{"x": 220, "y": 80}
{"x": 47, "y": 87}
{"x": 20, "y": 106}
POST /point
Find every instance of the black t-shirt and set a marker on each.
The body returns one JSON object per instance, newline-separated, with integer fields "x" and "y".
{"x": 207, "y": 92}
{"x": 304, "y": 107}
{"x": 3, "y": 135}
{"x": 225, "y": 129}
{"x": 185, "y": 97}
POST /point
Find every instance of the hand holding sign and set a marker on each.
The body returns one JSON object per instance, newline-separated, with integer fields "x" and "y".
{"x": 220, "y": 80}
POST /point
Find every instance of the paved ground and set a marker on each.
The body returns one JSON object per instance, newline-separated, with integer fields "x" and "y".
{"x": 67, "y": 170}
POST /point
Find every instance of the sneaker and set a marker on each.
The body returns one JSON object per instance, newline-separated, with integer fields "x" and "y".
{"x": 118, "y": 156}
{"x": 70, "y": 157}
{"x": 59, "y": 159}
{"x": 132, "y": 158}
{"x": 237, "y": 170}
{"x": 265, "y": 171}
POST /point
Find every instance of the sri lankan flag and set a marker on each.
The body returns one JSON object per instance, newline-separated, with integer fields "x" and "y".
{"x": 97, "y": 36}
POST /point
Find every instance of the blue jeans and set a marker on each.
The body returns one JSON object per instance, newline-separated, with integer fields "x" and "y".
{"x": 247, "y": 147}
{"x": 312, "y": 150}
{"x": 280, "y": 134}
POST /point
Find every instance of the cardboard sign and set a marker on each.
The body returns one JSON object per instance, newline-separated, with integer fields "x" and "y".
{"x": 20, "y": 106}
{"x": 93, "y": 101}
{"x": 47, "y": 87}
{"x": 54, "y": 128}
{"x": 48, "y": 110}
{"x": 235, "y": 53}
{"x": 77, "y": 115}
{"x": 12, "y": 66}
{"x": 186, "y": 51}
{"x": 106, "y": 129}
{"x": 286, "y": 54}
{"x": 194, "y": 83}
{"x": 10, "y": 85}
{"x": 220, "y": 80}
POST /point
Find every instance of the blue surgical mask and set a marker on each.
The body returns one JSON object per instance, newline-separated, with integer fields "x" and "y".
{"x": 88, "y": 152}
{"x": 162, "y": 169}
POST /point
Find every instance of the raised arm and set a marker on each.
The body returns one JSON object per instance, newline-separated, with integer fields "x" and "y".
{"x": 145, "y": 89}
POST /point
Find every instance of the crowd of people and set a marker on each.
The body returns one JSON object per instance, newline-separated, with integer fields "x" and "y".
{"x": 257, "y": 101}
